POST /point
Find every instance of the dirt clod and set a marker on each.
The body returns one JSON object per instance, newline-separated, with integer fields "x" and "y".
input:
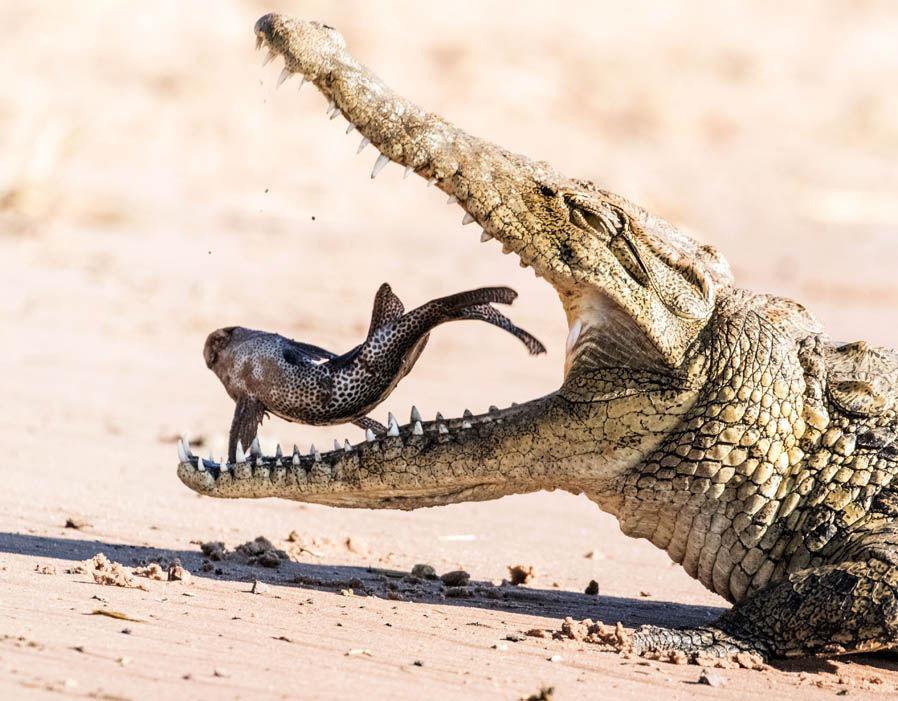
{"x": 615, "y": 637}
{"x": 151, "y": 571}
{"x": 520, "y": 574}
{"x": 424, "y": 571}
{"x": 76, "y": 523}
{"x": 455, "y": 578}
{"x": 260, "y": 551}
{"x": 592, "y": 588}
{"x": 546, "y": 693}
{"x": 178, "y": 573}
{"x": 109, "y": 573}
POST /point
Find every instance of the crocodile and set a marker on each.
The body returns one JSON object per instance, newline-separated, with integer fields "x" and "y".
{"x": 266, "y": 372}
{"x": 722, "y": 425}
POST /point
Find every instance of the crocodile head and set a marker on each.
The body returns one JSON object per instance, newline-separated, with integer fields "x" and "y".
{"x": 637, "y": 294}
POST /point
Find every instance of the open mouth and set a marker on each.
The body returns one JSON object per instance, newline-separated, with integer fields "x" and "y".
{"x": 440, "y": 169}
{"x": 635, "y": 292}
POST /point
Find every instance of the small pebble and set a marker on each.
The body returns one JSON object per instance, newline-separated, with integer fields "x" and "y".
{"x": 711, "y": 678}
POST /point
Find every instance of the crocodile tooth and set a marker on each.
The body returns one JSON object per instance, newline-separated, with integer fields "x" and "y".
{"x": 270, "y": 57}
{"x": 336, "y": 444}
{"x": 278, "y": 462}
{"x": 347, "y": 447}
{"x": 182, "y": 451}
{"x": 350, "y": 127}
{"x": 467, "y": 219}
{"x": 494, "y": 409}
{"x": 408, "y": 169}
{"x": 484, "y": 237}
{"x": 240, "y": 457}
{"x": 255, "y": 448}
{"x": 332, "y": 105}
{"x": 467, "y": 414}
{"x": 363, "y": 144}
{"x": 284, "y": 76}
{"x": 379, "y": 164}
{"x": 296, "y": 459}
{"x": 452, "y": 199}
{"x": 278, "y": 453}
{"x": 439, "y": 417}
{"x": 369, "y": 435}
{"x": 302, "y": 81}
{"x": 442, "y": 428}
{"x": 416, "y": 415}
{"x": 335, "y": 112}
{"x": 418, "y": 429}
{"x": 199, "y": 464}
{"x": 393, "y": 429}
{"x": 466, "y": 424}
{"x": 313, "y": 451}
{"x": 259, "y": 42}
{"x": 296, "y": 454}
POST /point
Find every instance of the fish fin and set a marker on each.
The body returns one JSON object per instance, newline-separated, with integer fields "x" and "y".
{"x": 297, "y": 353}
{"x": 248, "y": 415}
{"x": 387, "y": 308}
{"x": 376, "y": 426}
{"x": 491, "y": 315}
{"x": 482, "y": 295}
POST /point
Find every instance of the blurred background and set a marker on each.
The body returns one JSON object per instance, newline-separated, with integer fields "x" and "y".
{"x": 155, "y": 186}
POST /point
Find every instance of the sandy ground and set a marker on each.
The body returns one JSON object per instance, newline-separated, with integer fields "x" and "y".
{"x": 154, "y": 186}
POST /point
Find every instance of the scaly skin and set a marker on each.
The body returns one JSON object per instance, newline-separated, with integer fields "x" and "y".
{"x": 719, "y": 424}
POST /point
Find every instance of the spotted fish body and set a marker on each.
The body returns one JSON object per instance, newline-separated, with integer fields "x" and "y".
{"x": 268, "y": 373}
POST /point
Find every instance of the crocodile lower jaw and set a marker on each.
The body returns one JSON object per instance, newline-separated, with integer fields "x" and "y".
{"x": 300, "y": 471}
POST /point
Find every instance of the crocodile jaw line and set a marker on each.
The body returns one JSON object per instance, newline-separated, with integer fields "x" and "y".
{"x": 515, "y": 450}
{"x": 423, "y": 156}
{"x": 423, "y": 143}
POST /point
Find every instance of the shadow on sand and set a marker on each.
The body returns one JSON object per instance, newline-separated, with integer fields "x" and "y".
{"x": 550, "y": 603}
